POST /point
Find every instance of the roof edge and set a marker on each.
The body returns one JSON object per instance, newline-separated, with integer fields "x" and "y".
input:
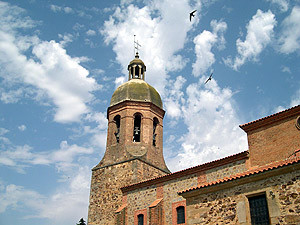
{"x": 229, "y": 181}
{"x": 270, "y": 119}
{"x": 133, "y": 102}
{"x": 129, "y": 160}
{"x": 195, "y": 169}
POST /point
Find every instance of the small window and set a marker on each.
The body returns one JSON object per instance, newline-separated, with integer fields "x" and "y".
{"x": 180, "y": 215}
{"x": 137, "y": 128}
{"x": 141, "y": 219}
{"x": 155, "y": 122}
{"x": 117, "y": 120}
{"x": 259, "y": 210}
{"x": 298, "y": 123}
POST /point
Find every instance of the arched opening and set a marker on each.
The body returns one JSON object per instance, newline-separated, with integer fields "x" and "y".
{"x": 180, "y": 215}
{"x": 117, "y": 120}
{"x": 140, "y": 219}
{"x": 155, "y": 123}
{"x": 137, "y": 128}
{"x": 131, "y": 72}
{"x": 137, "y": 72}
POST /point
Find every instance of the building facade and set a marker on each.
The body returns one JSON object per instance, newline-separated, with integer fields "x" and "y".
{"x": 132, "y": 184}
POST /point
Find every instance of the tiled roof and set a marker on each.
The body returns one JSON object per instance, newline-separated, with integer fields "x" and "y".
{"x": 191, "y": 170}
{"x": 271, "y": 118}
{"x": 272, "y": 166}
{"x": 155, "y": 203}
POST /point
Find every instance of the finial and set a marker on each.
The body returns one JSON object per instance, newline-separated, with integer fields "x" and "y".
{"x": 136, "y": 45}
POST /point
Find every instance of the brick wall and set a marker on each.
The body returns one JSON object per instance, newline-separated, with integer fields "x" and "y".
{"x": 273, "y": 142}
{"x": 126, "y": 148}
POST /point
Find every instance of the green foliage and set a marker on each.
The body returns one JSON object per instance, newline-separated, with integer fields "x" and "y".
{"x": 81, "y": 222}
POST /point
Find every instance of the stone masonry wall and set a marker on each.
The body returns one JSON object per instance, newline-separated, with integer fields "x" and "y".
{"x": 142, "y": 198}
{"x": 231, "y": 206}
{"x": 139, "y": 201}
{"x": 170, "y": 193}
{"x": 225, "y": 171}
{"x": 105, "y": 193}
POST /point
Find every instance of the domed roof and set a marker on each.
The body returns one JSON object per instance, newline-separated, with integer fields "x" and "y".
{"x": 136, "y": 90}
{"x": 137, "y": 60}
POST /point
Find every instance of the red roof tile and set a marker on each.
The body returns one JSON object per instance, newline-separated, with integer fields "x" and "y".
{"x": 275, "y": 165}
{"x": 155, "y": 203}
{"x": 188, "y": 171}
{"x": 271, "y": 118}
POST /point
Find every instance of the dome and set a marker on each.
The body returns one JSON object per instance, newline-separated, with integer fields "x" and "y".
{"x": 136, "y": 90}
{"x": 136, "y": 60}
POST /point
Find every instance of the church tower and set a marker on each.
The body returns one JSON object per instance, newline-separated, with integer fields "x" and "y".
{"x": 134, "y": 148}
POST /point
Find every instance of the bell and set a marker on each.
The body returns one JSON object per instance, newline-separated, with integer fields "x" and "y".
{"x": 136, "y": 130}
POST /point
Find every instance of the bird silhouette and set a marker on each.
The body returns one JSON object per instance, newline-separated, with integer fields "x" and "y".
{"x": 192, "y": 14}
{"x": 209, "y": 78}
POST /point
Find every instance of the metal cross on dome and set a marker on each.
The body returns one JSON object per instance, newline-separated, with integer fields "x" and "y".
{"x": 136, "y": 46}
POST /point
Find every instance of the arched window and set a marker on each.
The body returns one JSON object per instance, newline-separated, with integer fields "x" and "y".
{"x": 141, "y": 219}
{"x": 137, "y": 128}
{"x": 155, "y": 122}
{"x": 180, "y": 215}
{"x": 117, "y": 120}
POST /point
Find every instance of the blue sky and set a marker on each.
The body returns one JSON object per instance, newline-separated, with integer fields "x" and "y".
{"x": 60, "y": 62}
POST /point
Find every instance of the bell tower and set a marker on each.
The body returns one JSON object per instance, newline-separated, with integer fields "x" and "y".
{"x": 134, "y": 148}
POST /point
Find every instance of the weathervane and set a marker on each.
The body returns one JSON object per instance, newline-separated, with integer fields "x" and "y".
{"x": 136, "y": 46}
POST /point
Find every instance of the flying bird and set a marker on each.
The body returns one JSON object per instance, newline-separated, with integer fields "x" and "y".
{"x": 209, "y": 78}
{"x": 192, "y": 14}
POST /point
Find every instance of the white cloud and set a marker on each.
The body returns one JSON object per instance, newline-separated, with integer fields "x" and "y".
{"x": 9, "y": 13}
{"x": 59, "y": 76}
{"x": 212, "y": 123}
{"x": 295, "y": 99}
{"x": 22, "y": 127}
{"x": 99, "y": 133}
{"x": 204, "y": 57}
{"x": 17, "y": 197}
{"x": 91, "y": 33}
{"x": 68, "y": 10}
{"x": 60, "y": 207}
{"x": 56, "y": 8}
{"x": 278, "y": 109}
{"x": 160, "y": 27}
{"x": 66, "y": 153}
{"x": 290, "y": 36}
{"x": 203, "y": 47}
{"x": 3, "y": 131}
{"x": 119, "y": 81}
{"x": 286, "y": 69}
{"x": 66, "y": 38}
{"x": 282, "y": 4}
{"x": 98, "y": 71}
{"x": 175, "y": 97}
{"x": 99, "y": 118}
{"x": 69, "y": 201}
{"x": 259, "y": 35}
{"x": 64, "y": 158}
{"x": 11, "y": 96}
